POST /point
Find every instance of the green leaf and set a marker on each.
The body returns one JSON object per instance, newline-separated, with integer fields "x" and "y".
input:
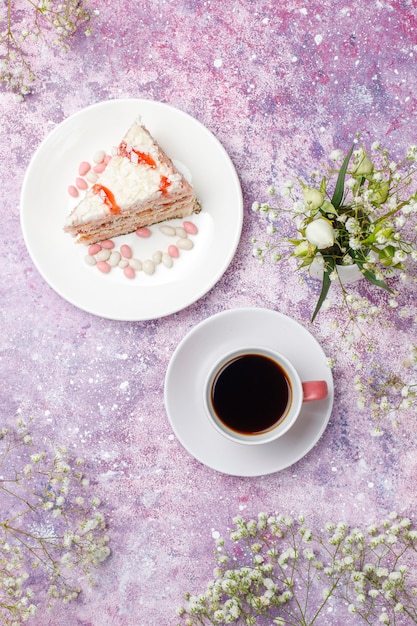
{"x": 329, "y": 265}
{"x": 378, "y": 283}
{"x": 340, "y": 183}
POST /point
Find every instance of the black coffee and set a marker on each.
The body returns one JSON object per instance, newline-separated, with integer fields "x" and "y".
{"x": 250, "y": 394}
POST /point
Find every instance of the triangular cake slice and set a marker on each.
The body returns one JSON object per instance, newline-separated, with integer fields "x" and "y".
{"x": 140, "y": 186}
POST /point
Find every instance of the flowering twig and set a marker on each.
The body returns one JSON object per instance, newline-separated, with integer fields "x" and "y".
{"x": 52, "y": 21}
{"x": 278, "y": 568}
{"x": 51, "y": 528}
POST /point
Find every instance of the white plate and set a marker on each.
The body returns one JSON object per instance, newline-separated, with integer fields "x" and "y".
{"x": 45, "y": 203}
{"x": 194, "y": 357}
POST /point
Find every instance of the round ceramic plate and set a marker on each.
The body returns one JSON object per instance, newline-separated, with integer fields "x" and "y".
{"x": 45, "y": 204}
{"x": 194, "y": 358}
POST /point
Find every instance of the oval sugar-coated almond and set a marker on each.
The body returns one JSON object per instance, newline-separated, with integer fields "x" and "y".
{"x": 73, "y": 191}
{"x": 126, "y": 251}
{"x": 108, "y": 244}
{"x": 114, "y": 258}
{"x": 94, "y": 248}
{"x": 129, "y": 272}
{"x": 90, "y": 260}
{"x": 173, "y": 251}
{"x": 180, "y": 232}
{"x": 143, "y": 232}
{"x": 136, "y": 264}
{"x": 83, "y": 168}
{"x": 98, "y": 157}
{"x": 157, "y": 257}
{"x": 167, "y": 260}
{"x": 190, "y": 228}
{"x": 167, "y": 230}
{"x": 148, "y": 267}
{"x": 185, "y": 244}
{"x": 103, "y": 267}
{"x": 103, "y": 255}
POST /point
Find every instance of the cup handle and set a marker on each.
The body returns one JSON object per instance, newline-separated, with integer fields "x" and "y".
{"x": 314, "y": 390}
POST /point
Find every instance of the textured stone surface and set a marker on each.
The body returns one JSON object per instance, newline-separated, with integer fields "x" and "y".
{"x": 280, "y": 86}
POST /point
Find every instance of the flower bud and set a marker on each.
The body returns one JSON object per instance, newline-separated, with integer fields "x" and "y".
{"x": 363, "y": 165}
{"x": 320, "y": 233}
{"x": 313, "y": 198}
{"x": 380, "y": 193}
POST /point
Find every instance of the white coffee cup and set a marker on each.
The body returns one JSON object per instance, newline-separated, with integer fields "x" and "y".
{"x": 253, "y": 395}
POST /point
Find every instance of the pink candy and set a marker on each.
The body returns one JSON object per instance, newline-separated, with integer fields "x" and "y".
{"x": 129, "y": 272}
{"x": 84, "y": 168}
{"x": 126, "y": 251}
{"x": 190, "y": 228}
{"x": 100, "y": 167}
{"x": 73, "y": 191}
{"x": 81, "y": 183}
{"x": 107, "y": 244}
{"x": 143, "y": 232}
{"x": 103, "y": 266}
{"x": 173, "y": 251}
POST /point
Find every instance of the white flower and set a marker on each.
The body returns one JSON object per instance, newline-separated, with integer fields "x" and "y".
{"x": 320, "y": 233}
{"x": 313, "y": 198}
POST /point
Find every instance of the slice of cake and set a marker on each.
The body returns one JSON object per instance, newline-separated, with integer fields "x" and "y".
{"x": 140, "y": 186}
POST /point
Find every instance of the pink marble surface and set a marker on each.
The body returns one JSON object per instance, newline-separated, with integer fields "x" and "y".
{"x": 280, "y": 85}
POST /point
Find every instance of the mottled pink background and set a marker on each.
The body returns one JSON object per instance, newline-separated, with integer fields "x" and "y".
{"x": 280, "y": 85}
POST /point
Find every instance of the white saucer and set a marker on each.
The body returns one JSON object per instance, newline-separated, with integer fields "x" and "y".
{"x": 45, "y": 204}
{"x": 197, "y": 353}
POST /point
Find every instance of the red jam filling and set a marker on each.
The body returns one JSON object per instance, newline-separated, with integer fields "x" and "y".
{"x": 108, "y": 198}
{"x": 143, "y": 158}
{"x": 164, "y": 184}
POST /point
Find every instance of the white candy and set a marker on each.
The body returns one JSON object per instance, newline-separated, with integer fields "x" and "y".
{"x": 114, "y": 258}
{"x": 91, "y": 177}
{"x": 167, "y": 230}
{"x": 136, "y": 264}
{"x": 157, "y": 257}
{"x": 185, "y": 244}
{"x": 167, "y": 260}
{"x": 123, "y": 263}
{"x": 90, "y": 260}
{"x": 148, "y": 267}
{"x": 98, "y": 156}
{"x": 103, "y": 255}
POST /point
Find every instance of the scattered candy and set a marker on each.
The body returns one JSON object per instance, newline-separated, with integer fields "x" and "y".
{"x": 92, "y": 177}
{"x": 115, "y": 258}
{"x": 129, "y": 272}
{"x": 173, "y": 251}
{"x": 148, "y": 267}
{"x": 98, "y": 156}
{"x": 103, "y": 255}
{"x": 143, "y": 232}
{"x": 190, "y": 228}
{"x": 157, "y": 257}
{"x": 123, "y": 263}
{"x": 167, "y": 230}
{"x": 181, "y": 232}
{"x": 167, "y": 260}
{"x": 103, "y": 267}
{"x": 185, "y": 244}
{"x": 99, "y": 168}
{"x": 136, "y": 264}
{"x": 126, "y": 251}
{"x": 94, "y": 248}
{"x": 81, "y": 183}
{"x": 73, "y": 191}
{"x": 90, "y": 260}
{"x": 84, "y": 168}
{"x": 108, "y": 244}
